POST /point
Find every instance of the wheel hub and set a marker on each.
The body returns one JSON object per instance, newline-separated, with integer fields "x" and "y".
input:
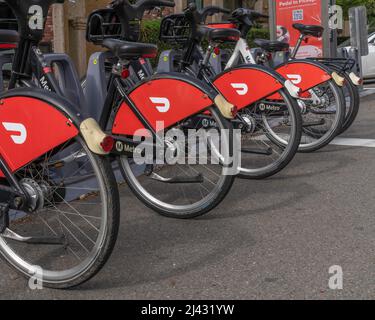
{"x": 35, "y": 193}
{"x": 250, "y": 123}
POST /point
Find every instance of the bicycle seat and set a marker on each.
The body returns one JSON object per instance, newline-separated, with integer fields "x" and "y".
{"x": 9, "y": 37}
{"x": 130, "y": 50}
{"x": 309, "y": 30}
{"x": 220, "y": 35}
{"x": 271, "y": 46}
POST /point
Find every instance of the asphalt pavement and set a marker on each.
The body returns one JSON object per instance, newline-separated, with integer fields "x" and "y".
{"x": 271, "y": 239}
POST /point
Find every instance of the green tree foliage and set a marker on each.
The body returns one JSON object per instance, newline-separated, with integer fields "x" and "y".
{"x": 369, "y": 4}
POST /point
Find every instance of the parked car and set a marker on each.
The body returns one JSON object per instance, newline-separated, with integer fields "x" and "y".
{"x": 368, "y": 62}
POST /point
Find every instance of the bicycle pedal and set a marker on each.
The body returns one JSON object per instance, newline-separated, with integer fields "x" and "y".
{"x": 9, "y": 234}
{"x": 4, "y": 216}
{"x": 265, "y": 152}
{"x": 179, "y": 179}
{"x": 314, "y": 123}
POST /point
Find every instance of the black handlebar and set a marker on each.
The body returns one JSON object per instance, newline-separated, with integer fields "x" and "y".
{"x": 151, "y": 4}
{"x": 200, "y": 16}
{"x": 210, "y": 11}
{"x": 128, "y": 13}
{"x": 137, "y": 10}
{"x": 251, "y": 14}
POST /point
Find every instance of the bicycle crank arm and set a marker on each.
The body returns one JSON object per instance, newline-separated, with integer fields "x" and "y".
{"x": 180, "y": 179}
{"x": 9, "y": 234}
{"x": 267, "y": 152}
{"x": 314, "y": 123}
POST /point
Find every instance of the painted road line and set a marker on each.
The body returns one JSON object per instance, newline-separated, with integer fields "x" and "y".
{"x": 348, "y": 142}
{"x": 351, "y": 142}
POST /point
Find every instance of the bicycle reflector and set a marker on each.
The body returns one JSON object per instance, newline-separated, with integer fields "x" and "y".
{"x": 125, "y": 73}
{"x": 107, "y": 144}
{"x": 234, "y": 111}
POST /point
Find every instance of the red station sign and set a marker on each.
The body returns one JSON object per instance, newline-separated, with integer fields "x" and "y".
{"x": 289, "y": 12}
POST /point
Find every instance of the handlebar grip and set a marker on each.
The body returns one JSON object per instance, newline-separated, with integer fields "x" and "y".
{"x": 192, "y": 7}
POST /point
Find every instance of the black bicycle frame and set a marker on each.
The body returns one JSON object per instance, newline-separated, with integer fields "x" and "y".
{"x": 33, "y": 65}
{"x": 29, "y": 61}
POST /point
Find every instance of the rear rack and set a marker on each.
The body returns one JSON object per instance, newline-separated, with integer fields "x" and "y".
{"x": 343, "y": 64}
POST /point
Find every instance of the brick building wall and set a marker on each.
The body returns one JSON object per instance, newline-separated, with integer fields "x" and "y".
{"x": 48, "y": 33}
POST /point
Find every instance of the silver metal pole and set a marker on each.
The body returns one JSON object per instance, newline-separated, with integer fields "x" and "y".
{"x": 272, "y": 21}
{"x": 327, "y": 31}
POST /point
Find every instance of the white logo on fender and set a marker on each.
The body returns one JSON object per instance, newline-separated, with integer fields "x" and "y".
{"x": 162, "y": 104}
{"x": 19, "y": 128}
{"x": 295, "y": 78}
{"x": 241, "y": 88}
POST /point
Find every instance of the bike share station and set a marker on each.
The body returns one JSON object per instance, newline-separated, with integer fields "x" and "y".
{"x": 262, "y": 231}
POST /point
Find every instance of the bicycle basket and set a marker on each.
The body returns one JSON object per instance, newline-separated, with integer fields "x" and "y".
{"x": 175, "y": 29}
{"x": 103, "y": 24}
{"x": 132, "y": 30}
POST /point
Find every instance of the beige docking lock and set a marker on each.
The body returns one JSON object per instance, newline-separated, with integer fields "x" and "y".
{"x": 93, "y": 135}
{"x": 355, "y": 79}
{"x": 226, "y": 108}
{"x": 340, "y": 81}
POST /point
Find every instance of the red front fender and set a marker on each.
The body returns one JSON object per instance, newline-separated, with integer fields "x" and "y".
{"x": 165, "y": 100}
{"x": 29, "y": 128}
{"x": 304, "y": 74}
{"x": 243, "y": 86}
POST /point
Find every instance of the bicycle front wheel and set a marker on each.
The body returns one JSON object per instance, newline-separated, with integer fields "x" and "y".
{"x": 322, "y": 121}
{"x": 70, "y": 226}
{"x": 352, "y": 101}
{"x": 184, "y": 190}
{"x": 275, "y": 133}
